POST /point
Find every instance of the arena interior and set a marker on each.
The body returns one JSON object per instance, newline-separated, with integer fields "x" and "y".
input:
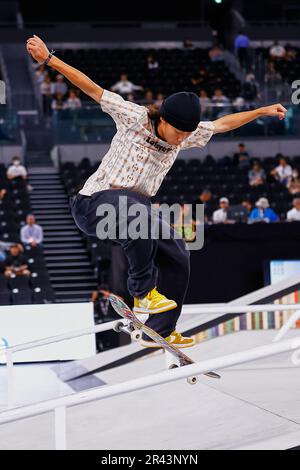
{"x": 55, "y": 280}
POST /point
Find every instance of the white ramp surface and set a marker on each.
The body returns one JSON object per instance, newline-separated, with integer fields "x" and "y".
{"x": 254, "y": 406}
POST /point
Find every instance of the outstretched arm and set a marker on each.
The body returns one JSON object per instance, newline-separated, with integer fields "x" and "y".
{"x": 39, "y": 51}
{"x": 233, "y": 121}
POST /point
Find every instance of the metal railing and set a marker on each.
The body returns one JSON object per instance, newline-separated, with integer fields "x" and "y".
{"x": 197, "y": 309}
{"x": 60, "y": 405}
{"x": 187, "y": 310}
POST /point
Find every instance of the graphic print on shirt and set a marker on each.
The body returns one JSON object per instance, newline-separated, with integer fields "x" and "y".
{"x": 137, "y": 159}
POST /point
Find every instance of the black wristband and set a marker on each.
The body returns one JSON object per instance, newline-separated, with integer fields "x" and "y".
{"x": 49, "y": 57}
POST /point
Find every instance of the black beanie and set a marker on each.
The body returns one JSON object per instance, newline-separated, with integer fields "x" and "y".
{"x": 182, "y": 110}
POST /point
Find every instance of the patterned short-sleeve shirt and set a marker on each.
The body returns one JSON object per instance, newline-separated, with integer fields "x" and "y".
{"x": 137, "y": 159}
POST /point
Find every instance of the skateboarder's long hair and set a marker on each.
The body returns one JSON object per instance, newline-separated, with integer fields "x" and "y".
{"x": 154, "y": 115}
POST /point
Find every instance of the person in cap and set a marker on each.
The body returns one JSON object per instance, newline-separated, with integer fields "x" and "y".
{"x": 293, "y": 215}
{"x": 262, "y": 212}
{"x": 220, "y": 215}
{"x": 141, "y": 153}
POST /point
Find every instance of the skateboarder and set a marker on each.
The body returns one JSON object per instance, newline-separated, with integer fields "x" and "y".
{"x": 141, "y": 154}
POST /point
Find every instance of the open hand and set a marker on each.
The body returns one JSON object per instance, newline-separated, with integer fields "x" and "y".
{"x": 275, "y": 110}
{"x": 37, "y": 48}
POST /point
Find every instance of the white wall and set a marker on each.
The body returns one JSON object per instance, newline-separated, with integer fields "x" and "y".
{"x": 21, "y": 324}
{"x": 9, "y": 151}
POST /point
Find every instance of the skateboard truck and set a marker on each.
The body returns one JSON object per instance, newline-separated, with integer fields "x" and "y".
{"x": 128, "y": 328}
{"x": 172, "y": 363}
{"x": 190, "y": 380}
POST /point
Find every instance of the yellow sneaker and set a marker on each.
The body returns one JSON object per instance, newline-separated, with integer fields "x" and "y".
{"x": 175, "y": 338}
{"x": 154, "y": 302}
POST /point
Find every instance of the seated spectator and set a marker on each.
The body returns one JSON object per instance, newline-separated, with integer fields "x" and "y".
{"x": 3, "y": 247}
{"x": 73, "y": 102}
{"x": 16, "y": 171}
{"x": 2, "y": 194}
{"x": 40, "y": 73}
{"x": 16, "y": 263}
{"x": 263, "y": 212}
{"x": 152, "y": 65}
{"x": 46, "y": 89}
{"x": 242, "y": 46}
{"x": 241, "y": 157}
{"x": 159, "y": 99}
{"x": 58, "y": 102}
{"x": 124, "y": 86}
{"x": 60, "y": 86}
{"x": 148, "y": 99}
{"x": 293, "y": 215}
{"x": 220, "y": 100}
{"x": 206, "y": 108}
{"x": 277, "y": 51}
{"x": 130, "y": 97}
{"x": 251, "y": 89}
{"x": 31, "y": 233}
{"x": 220, "y": 215}
{"x": 239, "y": 104}
{"x": 204, "y": 198}
{"x": 237, "y": 213}
{"x": 294, "y": 183}
{"x": 273, "y": 78}
{"x": 248, "y": 206}
{"x": 216, "y": 54}
{"x": 290, "y": 53}
{"x": 283, "y": 172}
{"x": 256, "y": 175}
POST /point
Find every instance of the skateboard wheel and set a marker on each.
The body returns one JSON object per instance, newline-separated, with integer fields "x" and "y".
{"x": 173, "y": 366}
{"x": 192, "y": 380}
{"x": 136, "y": 335}
{"x": 118, "y": 326}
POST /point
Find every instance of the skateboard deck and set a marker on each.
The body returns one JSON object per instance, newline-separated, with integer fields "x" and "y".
{"x": 124, "y": 311}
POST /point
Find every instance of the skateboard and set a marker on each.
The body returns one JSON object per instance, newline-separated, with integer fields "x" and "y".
{"x": 134, "y": 327}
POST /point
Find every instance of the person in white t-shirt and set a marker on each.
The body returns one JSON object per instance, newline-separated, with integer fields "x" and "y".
{"x": 220, "y": 215}
{"x": 293, "y": 215}
{"x": 294, "y": 183}
{"x": 142, "y": 152}
{"x": 60, "y": 86}
{"x": 124, "y": 87}
{"x": 152, "y": 64}
{"x": 16, "y": 170}
{"x": 283, "y": 172}
{"x": 73, "y": 102}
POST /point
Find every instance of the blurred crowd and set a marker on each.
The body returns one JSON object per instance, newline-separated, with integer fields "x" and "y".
{"x": 12, "y": 260}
